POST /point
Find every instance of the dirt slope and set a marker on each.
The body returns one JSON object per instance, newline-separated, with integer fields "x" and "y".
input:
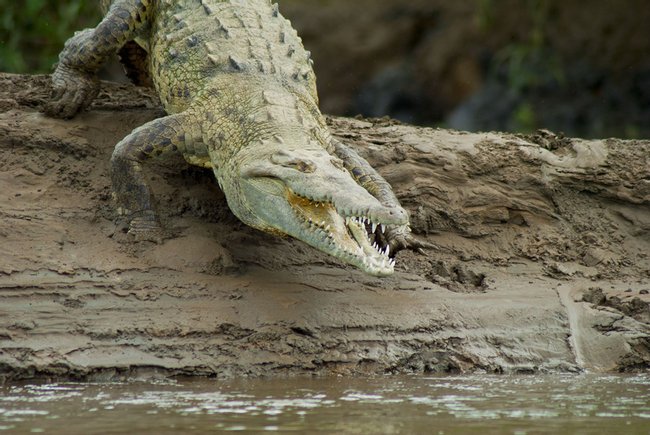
{"x": 543, "y": 261}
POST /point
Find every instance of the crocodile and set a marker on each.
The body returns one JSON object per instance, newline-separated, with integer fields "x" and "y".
{"x": 240, "y": 96}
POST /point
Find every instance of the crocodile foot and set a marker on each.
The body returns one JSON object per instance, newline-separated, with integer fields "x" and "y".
{"x": 72, "y": 92}
{"x": 145, "y": 227}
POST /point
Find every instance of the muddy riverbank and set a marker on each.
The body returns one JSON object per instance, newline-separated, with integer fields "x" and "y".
{"x": 542, "y": 262}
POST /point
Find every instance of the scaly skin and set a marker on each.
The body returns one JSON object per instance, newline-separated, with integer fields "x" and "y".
{"x": 241, "y": 99}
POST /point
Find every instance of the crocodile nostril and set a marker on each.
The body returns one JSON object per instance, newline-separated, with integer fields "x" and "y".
{"x": 397, "y": 213}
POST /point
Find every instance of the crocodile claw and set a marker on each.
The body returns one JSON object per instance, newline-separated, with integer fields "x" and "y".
{"x": 72, "y": 92}
{"x": 400, "y": 238}
{"x": 145, "y": 227}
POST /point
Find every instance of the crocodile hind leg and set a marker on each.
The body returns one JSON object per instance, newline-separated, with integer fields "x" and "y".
{"x": 158, "y": 138}
{"x": 74, "y": 81}
{"x": 396, "y": 237}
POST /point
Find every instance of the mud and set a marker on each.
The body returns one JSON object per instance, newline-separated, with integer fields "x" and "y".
{"x": 542, "y": 262}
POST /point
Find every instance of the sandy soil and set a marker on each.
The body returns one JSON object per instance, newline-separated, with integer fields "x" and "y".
{"x": 543, "y": 261}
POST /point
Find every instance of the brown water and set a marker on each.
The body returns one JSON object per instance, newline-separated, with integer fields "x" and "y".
{"x": 480, "y": 404}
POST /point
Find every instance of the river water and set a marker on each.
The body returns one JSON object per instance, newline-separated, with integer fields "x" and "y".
{"x": 476, "y": 404}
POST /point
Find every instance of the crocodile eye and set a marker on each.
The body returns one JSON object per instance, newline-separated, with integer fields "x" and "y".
{"x": 301, "y": 165}
{"x": 305, "y": 167}
{"x": 288, "y": 161}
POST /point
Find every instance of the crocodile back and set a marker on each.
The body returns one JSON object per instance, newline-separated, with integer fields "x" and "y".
{"x": 195, "y": 41}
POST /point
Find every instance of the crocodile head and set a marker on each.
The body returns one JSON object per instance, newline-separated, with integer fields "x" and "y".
{"x": 309, "y": 195}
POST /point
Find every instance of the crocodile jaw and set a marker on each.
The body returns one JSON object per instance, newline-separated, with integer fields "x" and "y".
{"x": 329, "y": 225}
{"x": 341, "y": 235}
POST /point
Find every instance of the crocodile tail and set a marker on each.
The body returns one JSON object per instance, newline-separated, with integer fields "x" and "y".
{"x": 134, "y": 59}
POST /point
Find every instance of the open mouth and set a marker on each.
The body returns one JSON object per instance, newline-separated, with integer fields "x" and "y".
{"x": 350, "y": 236}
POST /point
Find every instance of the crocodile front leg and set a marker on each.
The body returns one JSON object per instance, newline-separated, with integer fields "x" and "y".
{"x": 396, "y": 237}
{"x": 74, "y": 81}
{"x": 158, "y": 138}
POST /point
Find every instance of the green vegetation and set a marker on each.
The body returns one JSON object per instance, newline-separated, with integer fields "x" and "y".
{"x": 32, "y": 32}
{"x": 544, "y": 84}
{"x": 528, "y": 63}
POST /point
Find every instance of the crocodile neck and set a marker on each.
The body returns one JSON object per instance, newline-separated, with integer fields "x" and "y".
{"x": 236, "y": 111}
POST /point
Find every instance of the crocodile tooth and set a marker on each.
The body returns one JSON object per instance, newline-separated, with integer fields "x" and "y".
{"x": 382, "y": 228}
{"x": 374, "y": 227}
{"x": 387, "y": 250}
